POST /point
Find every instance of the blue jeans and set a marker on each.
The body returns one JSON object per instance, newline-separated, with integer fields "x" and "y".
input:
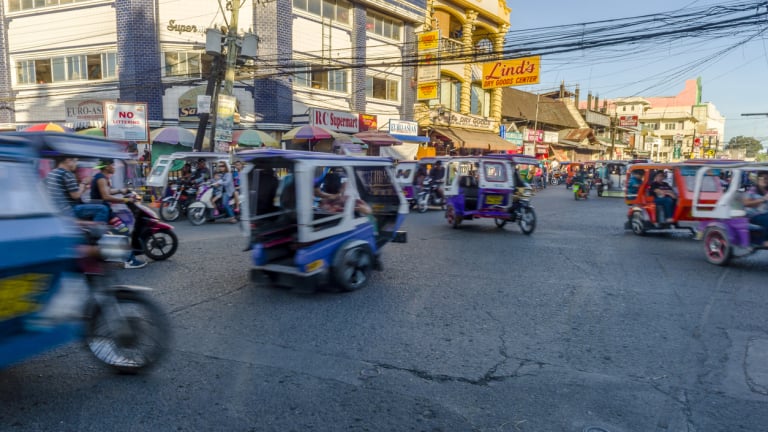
{"x": 225, "y": 203}
{"x": 762, "y": 220}
{"x": 666, "y": 203}
{"x": 95, "y": 212}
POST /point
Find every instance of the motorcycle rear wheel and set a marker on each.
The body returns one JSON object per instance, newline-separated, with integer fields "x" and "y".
{"x": 145, "y": 333}
{"x": 170, "y": 213}
{"x": 196, "y": 215}
{"x": 423, "y": 204}
{"x": 160, "y": 245}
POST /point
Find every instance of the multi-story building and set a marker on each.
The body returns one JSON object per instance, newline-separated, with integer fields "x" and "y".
{"x": 673, "y": 128}
{"x": 464, "y": 116}
{"x": 63, "y": 58}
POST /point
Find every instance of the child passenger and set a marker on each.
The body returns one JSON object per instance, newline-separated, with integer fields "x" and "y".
{"x": 218, "y": 191}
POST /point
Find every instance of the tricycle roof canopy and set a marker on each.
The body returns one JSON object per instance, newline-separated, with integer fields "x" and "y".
{"x": 53, "y": 144}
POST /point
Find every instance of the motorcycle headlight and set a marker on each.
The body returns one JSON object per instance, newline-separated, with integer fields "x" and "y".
{"x": 114, "y": 248}
{"x": 174, "y": 187}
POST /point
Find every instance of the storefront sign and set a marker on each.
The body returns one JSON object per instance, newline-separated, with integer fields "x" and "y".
{"x": 127, "y": 121}
{"x": 426, "y": 91}
{"x": 515, "y": 72}
{"x": 465, "y": 121}
{"x": 515, "y": 138}
{"x": 428, "y": 70}
{"x": 188, "y": 109}
{"x": 551, "y": 137}
{"x": 84, "y": 111}
{"x": 402, "y": 127}
{"x": 177, "y": 27}
{"x": 368, "y": 122}
{"x": 534, "y": 135}
{"x": 338, "y": 121}
{"x": 628, "y": 121}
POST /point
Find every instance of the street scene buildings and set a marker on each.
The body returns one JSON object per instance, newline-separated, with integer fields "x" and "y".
{"x": 317, "y": 61}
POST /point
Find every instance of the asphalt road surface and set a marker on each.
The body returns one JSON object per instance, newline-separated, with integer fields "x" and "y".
{"x": 579, "y": 327}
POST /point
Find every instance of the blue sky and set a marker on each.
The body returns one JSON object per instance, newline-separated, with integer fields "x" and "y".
{"x": 736, "y": 83}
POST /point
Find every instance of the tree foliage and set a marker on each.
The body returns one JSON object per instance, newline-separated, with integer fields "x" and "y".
{"x": 749, "y": 144}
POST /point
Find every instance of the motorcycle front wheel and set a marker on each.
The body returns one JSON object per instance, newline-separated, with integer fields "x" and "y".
{"x": 423, "y": 203}
{"x": 160, "y": 245}
{"x": 169, "y": 211}
{"x": 196, "y": 215}
{"x": 133, "y": 341}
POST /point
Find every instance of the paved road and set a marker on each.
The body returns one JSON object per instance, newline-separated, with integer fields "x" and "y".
{"x": 477, "y": 329}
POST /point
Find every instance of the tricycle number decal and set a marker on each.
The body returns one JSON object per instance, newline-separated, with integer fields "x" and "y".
{"x": 494, "y": 199}
{"x": 17, "y": 294}
{"x": 315, "y": 265}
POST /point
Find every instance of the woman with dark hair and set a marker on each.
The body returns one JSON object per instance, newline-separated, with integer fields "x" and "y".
{"x": 229, "y": 190}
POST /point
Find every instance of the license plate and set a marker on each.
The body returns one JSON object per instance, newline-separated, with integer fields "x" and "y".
{"x": 18, "y": 293}
{"x": 494, "y": 199}
{"x": 315, "y": 265}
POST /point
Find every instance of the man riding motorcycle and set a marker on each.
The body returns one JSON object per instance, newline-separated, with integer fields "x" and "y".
{"x": 438, "y": 174}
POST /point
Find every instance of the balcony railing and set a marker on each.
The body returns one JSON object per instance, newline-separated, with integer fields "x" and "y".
{"x": 450, "y": 47}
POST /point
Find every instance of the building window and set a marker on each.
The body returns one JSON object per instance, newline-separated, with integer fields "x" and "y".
{"x": 22, "y": 5}
{"x": 480, "y": 101}
{"x": 335, "y": 10}
{"x": 681, "y": 125}
{"x": 186, "y": 64}
{"x": 624, "y": 108}
{"x": 381, "y": 88}
{"x": 67, "y": 68}
{"x": 383, "y": 26}
{"x": 450, "y": 94}
{"x": 321, "y": 78}
{"x": 670, "y": 126}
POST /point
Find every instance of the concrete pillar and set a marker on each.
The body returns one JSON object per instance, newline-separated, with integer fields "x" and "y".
{"x": 496, "y": 94}
{"x": 466, "y": 39}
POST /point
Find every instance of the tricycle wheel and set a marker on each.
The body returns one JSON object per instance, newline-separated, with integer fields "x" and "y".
{"x": 500, "y": 222}
{"x": 352, "y": 267}
{"x": 717, "y": 247}
{"x": 527, "y": 221}
{"x": 451, "y": 217}
{"x": 160, "y": 245}
{"x": 638, "y": 226}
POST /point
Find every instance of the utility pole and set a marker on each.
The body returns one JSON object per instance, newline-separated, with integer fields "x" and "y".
{"x": 204, "y": 117}
{"x": 229, "y": 77}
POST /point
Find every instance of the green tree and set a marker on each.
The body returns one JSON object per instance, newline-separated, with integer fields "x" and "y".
{"x": 750, "y": 145}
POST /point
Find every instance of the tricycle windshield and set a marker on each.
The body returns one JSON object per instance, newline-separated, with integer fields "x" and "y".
{"x": 22, "y": 193}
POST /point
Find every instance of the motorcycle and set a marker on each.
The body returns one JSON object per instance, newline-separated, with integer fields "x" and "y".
{"x": 428, "y": 195}
{"x": 55, "y": 287}
{"x": 203, "y": 209}
{"x": 580, "y": 190}
{"x": 176, "y": 204}
{"x": 149, "y": 236}
{"x": 521, "y": 210}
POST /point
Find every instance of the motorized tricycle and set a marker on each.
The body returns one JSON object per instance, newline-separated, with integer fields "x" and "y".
{"x": 724, "y": 224}
{"x": 53, "y": 270}
{"x": 319, "y": 220}
{"x": 611, "y": 178}
{"x": 646, "y": 215}
{"x": 488, "y": 187}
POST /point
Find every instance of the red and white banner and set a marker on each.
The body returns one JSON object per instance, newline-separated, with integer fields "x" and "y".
{"x": 338, "y": 121}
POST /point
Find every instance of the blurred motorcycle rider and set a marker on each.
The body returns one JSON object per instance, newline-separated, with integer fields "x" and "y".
{"x": 438, "y": 174}
{"x": 66, "y": 193}
{"x": 201, "y": 173}
{"x": 101, "y": 191}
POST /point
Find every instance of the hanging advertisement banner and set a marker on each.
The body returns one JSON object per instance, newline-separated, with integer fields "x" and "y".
{"x": 225, "y": 118}
{"x": 339, "y": 121}
{"x": 628, "y": 121}
{"x": 429, "y": 40}
{"x": 515, "y": 72}
{"x": 425, "y": 91}
{"x": 126, "y": 121}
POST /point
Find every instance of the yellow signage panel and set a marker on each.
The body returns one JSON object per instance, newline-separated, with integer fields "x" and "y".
{"x": 427, "y": 90}
{"x": 429, "y": 40}
{"x": 515, "y": 72}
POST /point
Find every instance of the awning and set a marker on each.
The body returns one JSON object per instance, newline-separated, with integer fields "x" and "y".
{"x": 83, "y": 124}
{"x": 475, "y": 139}
{"x": 559, "y": 154}
{"x": 411, "y": 138}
